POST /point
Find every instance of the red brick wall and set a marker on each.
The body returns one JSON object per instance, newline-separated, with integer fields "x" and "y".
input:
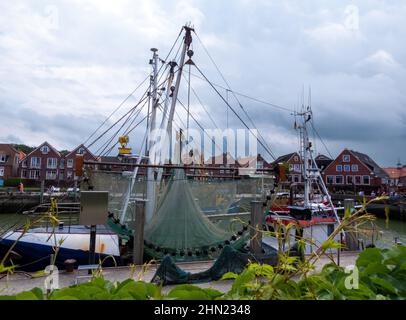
{"x": 363, "y": 170}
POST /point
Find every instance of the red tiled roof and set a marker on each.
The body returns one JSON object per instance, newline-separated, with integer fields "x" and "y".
{"x": 395, "y": 173}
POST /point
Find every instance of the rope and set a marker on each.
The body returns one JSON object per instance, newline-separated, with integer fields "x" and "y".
{"x": 237, "y": 115}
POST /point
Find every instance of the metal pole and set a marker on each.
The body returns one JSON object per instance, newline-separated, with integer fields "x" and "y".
{"x": 256, "y": 227}
{"x": 138, "y": 248}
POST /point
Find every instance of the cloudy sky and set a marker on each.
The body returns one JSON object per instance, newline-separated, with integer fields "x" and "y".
{"x": 65, "y": 65}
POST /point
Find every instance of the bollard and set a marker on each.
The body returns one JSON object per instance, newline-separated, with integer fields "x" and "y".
{"x": 351, "y": 237}
{"x": 139, "y": 221}
{"x": 256, "y": 227}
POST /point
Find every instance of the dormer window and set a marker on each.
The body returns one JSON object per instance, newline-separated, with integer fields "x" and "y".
{"x": 45, "y": 149}
{"x": 346, "y": 158}
{"x": 81, "y": 151}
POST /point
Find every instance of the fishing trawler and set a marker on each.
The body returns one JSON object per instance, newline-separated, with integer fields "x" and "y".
{"x": 181, "y": 218}
{"x": 311, "y": 220}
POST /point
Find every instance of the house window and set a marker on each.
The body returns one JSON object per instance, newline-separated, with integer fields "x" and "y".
{"x": 260, "y": 164}
{"x": 357, "y": 179}
{"x": 330, "y": 179}
{"x": 347, "y": 168}
{"x": 24, "y": 174}
{"x": 45, "y": 149}
{"x": 3, "y": 158}
{"x": 350, "y": 180}
{"x": 52, "y": 163}
{"x": 62, "y": 164}
{"x": 24, "y": 164}
{"x": 81, "y": 151}
{"x": 34, "y": 174}
{"x": 354, "y": 168}
{"x": 296, "y": 167}
{"x": 339, "y": 180}
{"x": 51, "y": 175}
{"x": 1, "y": 171}
{"x": 70, "y": 174}
{"x": 365, "y": 180}
{"x": 69, "y": 163}
{"x": 296, "y": 158}
{"x": 346, "y": 158}
{"x": 339, "y": 168}
{"x": 296, "y": 178}
{"x": 61, "y": 174}
{"x": 290, "y": 167}
{"x": 35, "y": 162}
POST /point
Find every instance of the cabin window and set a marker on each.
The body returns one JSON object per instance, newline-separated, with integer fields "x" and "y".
{"x": 354, "y": 168}
{"x": 1, "y": 171}
{"x": 339, "y": 179}
{"x": 339, "y": 168}
{"x": 366, "y": 180}
{"x": 35, "y": 162}
{"x": 330, "y": 229}
{"x": 330, "y": 179}
{"x": 52, "y": 163}
{"x": 350, "y": 180}
{"x": 346, "y": 158}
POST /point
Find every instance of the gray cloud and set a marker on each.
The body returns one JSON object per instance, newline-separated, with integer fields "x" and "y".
{"x": 64, "y": 67}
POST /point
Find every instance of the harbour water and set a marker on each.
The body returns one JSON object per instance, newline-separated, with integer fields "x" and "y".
{"x": 385, "y": 233}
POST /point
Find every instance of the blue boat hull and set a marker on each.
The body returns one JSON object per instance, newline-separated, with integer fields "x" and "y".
{"x": 36, "y": 257}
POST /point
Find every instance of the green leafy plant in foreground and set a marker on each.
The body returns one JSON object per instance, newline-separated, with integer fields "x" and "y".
{"x": 381, "y": 275}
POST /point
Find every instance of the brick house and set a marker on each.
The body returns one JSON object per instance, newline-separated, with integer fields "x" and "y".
{"x": 41, "y": 164}
{"x": 397, "y": 177}
{"x": 322, "y": 161}
{"x": 295, "y": 166}
{"x": 9, "y": 161}
{"x": 353, "y": 170}
{"x": 67, "y": 163}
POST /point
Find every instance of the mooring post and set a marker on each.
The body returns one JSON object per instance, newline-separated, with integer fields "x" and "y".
{"x": 92, "y": 246}
{"x": 351, "y": 237}
{"x": 256, "y": 227}
{"x": 139, "y": 221}
{"x": 41, "y": 199}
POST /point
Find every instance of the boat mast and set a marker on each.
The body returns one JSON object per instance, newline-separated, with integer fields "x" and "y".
{"x": 186, "y": 46}
{"x": 151, "y": 176}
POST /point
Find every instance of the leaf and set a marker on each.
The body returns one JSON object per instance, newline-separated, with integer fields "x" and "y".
{"x": 38, "y": 293}
{"x": 229, "y": 275}
{"x": 26, "y": 295}
{"x": 189, "y": 292}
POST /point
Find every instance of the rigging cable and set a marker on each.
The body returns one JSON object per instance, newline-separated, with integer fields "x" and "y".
{"x": 229, "y": 87}
{"x": 237, "y": 115}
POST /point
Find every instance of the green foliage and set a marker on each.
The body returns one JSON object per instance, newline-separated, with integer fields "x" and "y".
{"x": 381, "y": 275}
